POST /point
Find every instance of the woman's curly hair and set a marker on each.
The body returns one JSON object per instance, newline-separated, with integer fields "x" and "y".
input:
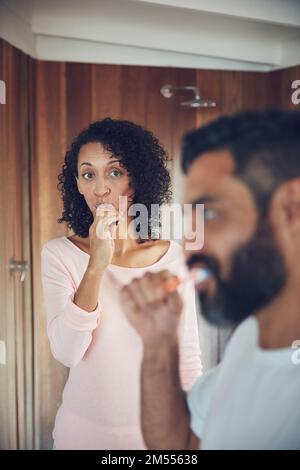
{"x": 141, "y": 155}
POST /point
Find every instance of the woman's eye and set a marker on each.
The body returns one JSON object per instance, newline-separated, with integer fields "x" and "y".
{"x": 115, "y": 173}
{"x": 87, "y": 173}
{"x": 210, "y": 214}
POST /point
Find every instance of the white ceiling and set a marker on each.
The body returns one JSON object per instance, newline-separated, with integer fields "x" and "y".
{"x": 218, "y": 34}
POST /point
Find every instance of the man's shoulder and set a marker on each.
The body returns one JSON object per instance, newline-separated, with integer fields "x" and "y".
{"x": 243, "y": 336}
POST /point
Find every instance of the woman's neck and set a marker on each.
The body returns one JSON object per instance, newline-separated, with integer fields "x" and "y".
{"x": 124, "y": 246}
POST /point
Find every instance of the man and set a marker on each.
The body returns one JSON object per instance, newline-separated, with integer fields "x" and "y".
{"x": 245, "y": 168}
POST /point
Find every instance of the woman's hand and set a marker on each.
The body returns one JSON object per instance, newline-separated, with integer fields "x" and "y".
{"x": 151, "y": 309}
{"x": 101, "y": 236}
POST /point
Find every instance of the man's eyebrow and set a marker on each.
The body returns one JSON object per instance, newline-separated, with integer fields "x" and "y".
{"x": 90, "y": 164}
{"x": 203, "y": 200}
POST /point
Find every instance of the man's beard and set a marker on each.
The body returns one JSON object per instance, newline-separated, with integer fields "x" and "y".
{"x": 256, "y": 276}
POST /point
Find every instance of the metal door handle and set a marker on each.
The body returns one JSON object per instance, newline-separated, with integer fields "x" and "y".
{"x": 18, "y": 266}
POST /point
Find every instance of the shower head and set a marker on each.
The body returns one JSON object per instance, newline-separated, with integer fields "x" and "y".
{"x": 197, "y": 102}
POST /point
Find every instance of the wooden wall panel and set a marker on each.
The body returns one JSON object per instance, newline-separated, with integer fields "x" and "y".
{"x": 78, "y": 95}
{"x": 183, "y": 119}
{"x": 233, "y": 91}
{"x": 210, "y": 84}
{"x": 48, "y": 150}
{"x": 254, "y": 90}
{"x": 237, "y": 91}
{"x": 242, "y": 90}
{"x": 273, "y": 93}
{"x": 280, "y": 90}
{"x": 159, "y": 110}
{"x": 16, "y": 394}
{"x": 133, "y": 92}
{"x": 232, "y": 100}
{"x": 106, "y": 91}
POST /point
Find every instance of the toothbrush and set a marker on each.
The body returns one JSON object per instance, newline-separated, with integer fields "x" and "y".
{"x": 197, "y": 275}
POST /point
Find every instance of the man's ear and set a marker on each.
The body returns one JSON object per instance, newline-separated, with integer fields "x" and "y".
{"x": 287, "y": 206}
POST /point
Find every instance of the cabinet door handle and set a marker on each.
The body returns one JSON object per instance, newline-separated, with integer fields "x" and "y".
{"x": 20, "y": 267}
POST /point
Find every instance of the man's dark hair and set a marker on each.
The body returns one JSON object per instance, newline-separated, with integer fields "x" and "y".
{"x": 265, "y": 146}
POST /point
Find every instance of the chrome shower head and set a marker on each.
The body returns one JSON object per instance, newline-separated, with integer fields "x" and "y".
{"x": 198, "y": 103}
{"x": 167, "y": 91}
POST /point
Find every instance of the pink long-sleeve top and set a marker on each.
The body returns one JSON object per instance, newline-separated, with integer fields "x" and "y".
{"x": 101, "y": 400}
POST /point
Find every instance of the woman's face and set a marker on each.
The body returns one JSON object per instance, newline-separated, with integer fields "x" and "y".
{"x": 101, "y": 178}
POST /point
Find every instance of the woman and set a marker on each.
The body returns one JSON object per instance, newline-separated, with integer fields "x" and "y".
{"x": 83, "y": 274}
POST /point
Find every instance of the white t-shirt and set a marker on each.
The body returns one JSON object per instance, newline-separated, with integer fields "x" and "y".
{"x": 251, "y": 400}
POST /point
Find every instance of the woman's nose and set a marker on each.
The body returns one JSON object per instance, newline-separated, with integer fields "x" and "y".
{"x": 101, "y": 188}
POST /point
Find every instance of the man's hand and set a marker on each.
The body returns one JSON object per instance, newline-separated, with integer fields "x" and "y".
{"x": 151, "y": 309}
{"x": 154, "y": 312}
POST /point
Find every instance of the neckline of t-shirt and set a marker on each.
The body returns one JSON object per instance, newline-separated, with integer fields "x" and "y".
{"x": 276, "y": 356}
{"x": 161, "y": 260}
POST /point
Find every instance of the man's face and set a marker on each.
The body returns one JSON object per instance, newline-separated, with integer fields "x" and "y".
{"x": 239, "y": 248}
